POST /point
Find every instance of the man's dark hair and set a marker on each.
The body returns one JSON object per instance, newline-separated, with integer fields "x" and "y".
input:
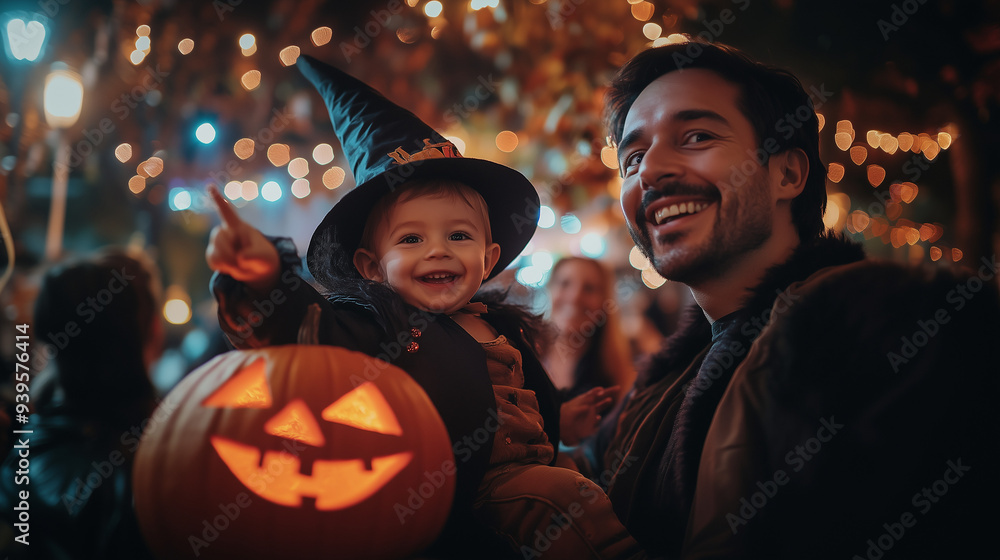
{"x": 768, "y": 96}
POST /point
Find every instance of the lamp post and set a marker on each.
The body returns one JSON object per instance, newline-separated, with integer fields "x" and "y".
{"x": 63, "y": 101}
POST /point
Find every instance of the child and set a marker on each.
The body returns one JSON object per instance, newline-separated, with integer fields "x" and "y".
{"x": 403, "y": 254}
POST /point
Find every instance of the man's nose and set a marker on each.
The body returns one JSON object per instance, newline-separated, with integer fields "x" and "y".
{"x": 660, "y": 163}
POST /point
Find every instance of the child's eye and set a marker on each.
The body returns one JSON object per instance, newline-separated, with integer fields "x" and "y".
{"x": 410, "y": 239}
{"x": 460, "y": 236}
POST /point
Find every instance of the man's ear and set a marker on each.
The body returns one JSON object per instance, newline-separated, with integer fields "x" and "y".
{"x": 492, "y": 256}
{"x": 367, "y": 264}
{"x": 789, "y": 171}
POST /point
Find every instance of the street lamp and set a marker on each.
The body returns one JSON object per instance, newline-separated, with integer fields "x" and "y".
{"x": 63, "y": 101}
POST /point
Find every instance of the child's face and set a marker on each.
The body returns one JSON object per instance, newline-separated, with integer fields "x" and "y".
{"x": 432, "y": 250}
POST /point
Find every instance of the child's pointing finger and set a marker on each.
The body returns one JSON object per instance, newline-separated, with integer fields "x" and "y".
{"x": 230, "y": 219}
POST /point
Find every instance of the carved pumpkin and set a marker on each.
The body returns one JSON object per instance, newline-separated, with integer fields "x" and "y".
{"x": 293, "y": 452}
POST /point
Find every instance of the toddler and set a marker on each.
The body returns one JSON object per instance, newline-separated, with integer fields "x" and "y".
{"x": 403, "y": 255}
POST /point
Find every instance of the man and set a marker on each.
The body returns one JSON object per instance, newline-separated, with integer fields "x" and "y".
{"x": 787, "y": 417}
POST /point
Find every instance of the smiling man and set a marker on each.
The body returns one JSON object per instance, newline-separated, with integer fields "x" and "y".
{"x": 775, "y": 423}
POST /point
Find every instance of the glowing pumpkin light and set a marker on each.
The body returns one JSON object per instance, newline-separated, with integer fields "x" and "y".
{"x": 292, "y": 452}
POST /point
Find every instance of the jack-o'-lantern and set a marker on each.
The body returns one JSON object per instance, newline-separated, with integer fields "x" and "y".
{"x": 294, "y": 452}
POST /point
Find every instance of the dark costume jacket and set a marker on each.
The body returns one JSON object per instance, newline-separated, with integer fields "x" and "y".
{"x": 806, "y": 423}
{"x": 439, "y": 354}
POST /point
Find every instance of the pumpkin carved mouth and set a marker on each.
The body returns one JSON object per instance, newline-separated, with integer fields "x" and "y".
{"x": 336, "y": 484}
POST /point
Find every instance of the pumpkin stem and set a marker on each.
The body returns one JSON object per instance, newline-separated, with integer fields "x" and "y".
{"x": 309, "y": 330}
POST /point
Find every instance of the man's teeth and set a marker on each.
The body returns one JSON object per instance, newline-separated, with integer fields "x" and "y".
{"x": 678, "y": 209}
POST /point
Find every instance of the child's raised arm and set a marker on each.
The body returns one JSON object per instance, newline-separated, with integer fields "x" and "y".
{"x": 240, "y": 250}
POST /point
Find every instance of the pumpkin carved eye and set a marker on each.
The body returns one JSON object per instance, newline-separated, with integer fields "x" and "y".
{"x": 364, "y": 407}
{"x": 246, "y": 389}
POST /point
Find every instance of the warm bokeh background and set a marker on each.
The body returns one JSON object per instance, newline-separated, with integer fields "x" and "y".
{"x": 907, "y": 92}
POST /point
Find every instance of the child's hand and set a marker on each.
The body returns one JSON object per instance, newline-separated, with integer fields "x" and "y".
{"x": 240, "y": 250}
{"x": 580, "y": 416}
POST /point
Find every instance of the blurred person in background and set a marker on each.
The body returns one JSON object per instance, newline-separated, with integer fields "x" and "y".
{"x": 587, "y": 357}
{"x": 98, "y": 319}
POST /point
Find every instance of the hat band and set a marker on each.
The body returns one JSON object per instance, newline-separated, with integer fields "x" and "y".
{"x": 429, "y": 151}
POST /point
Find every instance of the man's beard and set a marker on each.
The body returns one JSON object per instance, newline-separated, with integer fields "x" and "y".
{"x": 743, "y": 225}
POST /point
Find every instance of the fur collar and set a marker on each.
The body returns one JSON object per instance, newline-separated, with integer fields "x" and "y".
{"x": 694, "y": 331}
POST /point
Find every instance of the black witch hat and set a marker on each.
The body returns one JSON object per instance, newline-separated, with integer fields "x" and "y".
{"x": 386, "y": 146}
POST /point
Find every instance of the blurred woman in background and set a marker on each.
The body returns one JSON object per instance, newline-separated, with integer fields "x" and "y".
{"x": 588, "y": 352}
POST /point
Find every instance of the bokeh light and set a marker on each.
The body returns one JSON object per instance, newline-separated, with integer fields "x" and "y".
{"x": 289, "y": 55}
{"x": 333, "y": 177}
{"x": 123, "y": 152}
{"x": 205, "y": 133}
{"x": 298, "y": 168}
{"x": 270, "y": 191}
{"x": 250, "y": 80}
{"x": 300, "y": 188}
{"x": 243, "y": 148}
{"x": 323, "y": 154}
{"x": 546, "y": 217}
{"x": 278, "y": 154}
{"x": 248, "y": 190}
{"x": 506, "y": 141}
{"x": 321, "y": 36}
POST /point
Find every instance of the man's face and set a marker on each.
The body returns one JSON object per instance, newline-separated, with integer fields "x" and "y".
{"x": 432, "y": 250}
{"x": 694, "y": 197}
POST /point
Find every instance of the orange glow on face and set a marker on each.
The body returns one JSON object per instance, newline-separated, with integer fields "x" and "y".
{"x": 366, "y": 408}
{"x": 334, "y": 484}
{"x": 296, "y": 422}
{"x": 246, "y": 389}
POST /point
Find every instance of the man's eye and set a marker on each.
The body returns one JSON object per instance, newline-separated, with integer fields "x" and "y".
{"x": 633, "y": 159}
{"x": 696, "y": 137}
